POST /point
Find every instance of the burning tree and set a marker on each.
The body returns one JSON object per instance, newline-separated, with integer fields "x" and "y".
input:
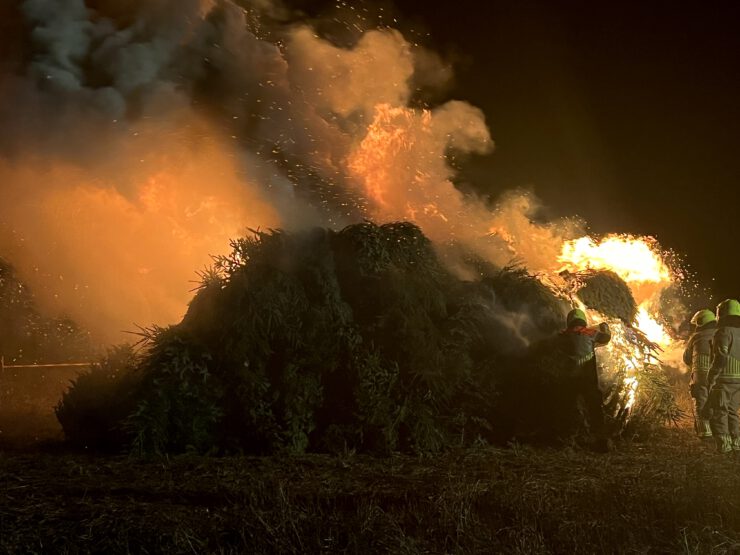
{"x": 621, "y": 280}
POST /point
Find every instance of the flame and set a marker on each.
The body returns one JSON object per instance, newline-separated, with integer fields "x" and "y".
{"x": 641, "y": 264}
{"x": 653, "y": 330}
{"x": 388, "y": 137}
{"x": 634, "y": 259}
{"x": 402, "y": 169}
{"x": 630, "y": 384}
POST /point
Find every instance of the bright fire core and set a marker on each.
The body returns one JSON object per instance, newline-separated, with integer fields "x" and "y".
{"x": 640, "y": 263}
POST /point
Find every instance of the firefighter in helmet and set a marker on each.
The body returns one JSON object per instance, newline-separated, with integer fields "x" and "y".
{"x": 698, "y": 357}
{"x": 577, "y": 344}
{"x": 724, "y": 378}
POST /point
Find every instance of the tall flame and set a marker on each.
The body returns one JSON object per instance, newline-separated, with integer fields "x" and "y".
{"x": 390, "y": 138}
{"x": 640, "y": 263}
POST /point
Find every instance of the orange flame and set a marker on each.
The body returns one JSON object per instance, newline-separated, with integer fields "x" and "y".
{"x": 634, "y": 259}
{"x": 389, "y": 138}
{"x": 640, "y": 263}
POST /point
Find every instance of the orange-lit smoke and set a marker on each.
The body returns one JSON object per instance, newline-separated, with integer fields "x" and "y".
{"x": 402, "y": 167}
{"x": 115, "y": 248}
{"x": 144, "y": 136}
{"x": 141, "y": 137}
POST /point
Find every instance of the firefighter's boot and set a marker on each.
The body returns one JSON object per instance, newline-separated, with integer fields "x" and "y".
{"x": 735, "y": 444}
{"x": 724, "y": 443}
{"x": 703, "y": 429}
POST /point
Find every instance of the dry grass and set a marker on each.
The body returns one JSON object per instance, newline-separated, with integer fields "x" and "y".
{"x": 669, "y": 495}
{"x": 673, "y": 495}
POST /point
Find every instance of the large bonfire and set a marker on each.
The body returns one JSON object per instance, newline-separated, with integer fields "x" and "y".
{"x": 412, "y": 332}
{"x": 363, "y": 339}
{"x": 412, "y": 335}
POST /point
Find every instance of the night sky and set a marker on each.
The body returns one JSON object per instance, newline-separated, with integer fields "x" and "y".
{"x": 623, "y": 113}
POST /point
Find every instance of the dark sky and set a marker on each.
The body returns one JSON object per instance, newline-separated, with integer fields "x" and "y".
{"x": 625, "y": 113}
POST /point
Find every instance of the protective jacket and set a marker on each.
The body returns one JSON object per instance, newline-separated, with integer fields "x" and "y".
{"x": 578, "y": 343}
{"x": 724, "y": 385}
{"x": 726, "y": 351}
{"x": 698, "y": 353}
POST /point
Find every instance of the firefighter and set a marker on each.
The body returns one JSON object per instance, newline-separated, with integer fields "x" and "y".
{"x": 698, "y": 357}
{"x": 577, "y": 344}
{"x": 724, "y": 378}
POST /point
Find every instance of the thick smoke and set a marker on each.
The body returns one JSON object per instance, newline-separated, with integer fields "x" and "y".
{"x": 137, "y": 136}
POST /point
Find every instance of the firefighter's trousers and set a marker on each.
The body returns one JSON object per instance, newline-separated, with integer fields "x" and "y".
{"x": 724, "y": 402}
{"x": 700, "y": 393}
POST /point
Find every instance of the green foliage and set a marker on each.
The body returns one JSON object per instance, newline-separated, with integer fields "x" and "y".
{"x": 606, "y": 292}
{"x": 341, "y": 341}
{"x": 523, "y": 294}
{"x": 178, "y": 400}
{"x": 377, "y": 403}
{"x": 655, "y": 404}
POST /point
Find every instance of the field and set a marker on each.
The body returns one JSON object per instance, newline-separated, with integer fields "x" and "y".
{"x": 670, "y": 495}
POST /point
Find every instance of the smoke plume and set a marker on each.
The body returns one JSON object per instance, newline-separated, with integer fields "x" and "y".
{"x": 137, "y": 137}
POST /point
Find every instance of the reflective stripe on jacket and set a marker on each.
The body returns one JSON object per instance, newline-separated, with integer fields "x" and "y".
{"x": 726, "y": 350}
{"x": 698, "y": 352}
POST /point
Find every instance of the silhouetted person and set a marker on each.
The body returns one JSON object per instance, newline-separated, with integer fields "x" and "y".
{"x": 698, "y": 357}
{"x": 724, "y": 378}
{"x": 577, "y": 345}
